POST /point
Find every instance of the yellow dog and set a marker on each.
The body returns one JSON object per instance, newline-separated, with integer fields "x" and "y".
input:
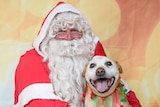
{"x": 104, "y": 87}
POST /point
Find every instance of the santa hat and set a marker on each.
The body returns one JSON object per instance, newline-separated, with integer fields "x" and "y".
{"x": 60, "y": 7}
{"x": 99, "y": 50}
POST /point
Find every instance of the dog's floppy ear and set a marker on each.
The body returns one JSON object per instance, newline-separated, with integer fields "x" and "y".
{"x": 119, "y": 67}
{"x": 84, "y": 70}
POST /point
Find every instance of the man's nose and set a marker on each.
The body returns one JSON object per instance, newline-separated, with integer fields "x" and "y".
{"x": 69, "y": 36}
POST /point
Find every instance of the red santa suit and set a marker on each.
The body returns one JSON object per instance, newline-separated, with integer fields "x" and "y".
{"x": 33, "y": 87}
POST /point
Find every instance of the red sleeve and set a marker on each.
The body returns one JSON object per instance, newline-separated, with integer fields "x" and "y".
{"x": 47, "y": 103}
{"x": 133, "y": 100}
{"x": 30, "y": 71}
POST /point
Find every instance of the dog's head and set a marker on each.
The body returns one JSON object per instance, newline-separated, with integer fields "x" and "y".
{"x": 102, "y": 75}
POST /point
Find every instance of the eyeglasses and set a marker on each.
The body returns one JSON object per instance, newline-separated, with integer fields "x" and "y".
{"x": 69, "y": 34}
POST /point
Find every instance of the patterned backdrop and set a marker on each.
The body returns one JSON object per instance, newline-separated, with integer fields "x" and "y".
{"x": 128, "y": 29}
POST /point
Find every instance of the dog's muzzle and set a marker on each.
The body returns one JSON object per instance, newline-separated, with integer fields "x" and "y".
{"x": 102, "y": 84}
{"x": 100, "y": 72}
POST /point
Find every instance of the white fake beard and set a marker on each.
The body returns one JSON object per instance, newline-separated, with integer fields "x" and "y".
{"x": 66, "y": 62}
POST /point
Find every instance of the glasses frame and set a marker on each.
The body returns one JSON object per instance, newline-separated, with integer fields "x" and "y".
{"x": 68, "y": 34}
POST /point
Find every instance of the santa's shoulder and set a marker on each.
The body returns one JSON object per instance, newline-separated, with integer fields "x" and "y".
{"x": 31, "y": 55}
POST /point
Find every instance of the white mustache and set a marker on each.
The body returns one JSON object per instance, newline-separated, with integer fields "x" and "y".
{"x": 67, "y": 48}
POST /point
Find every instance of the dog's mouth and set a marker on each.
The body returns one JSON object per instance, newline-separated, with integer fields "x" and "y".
{"x": 102, "y": 85}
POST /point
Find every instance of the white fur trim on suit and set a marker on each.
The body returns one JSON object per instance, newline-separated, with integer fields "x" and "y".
{"x": 125, "y": 85}
{"x": 34, "y": 91}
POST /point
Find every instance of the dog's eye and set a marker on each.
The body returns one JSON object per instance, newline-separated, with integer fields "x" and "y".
{"x": 92, "y": 65}
{"x": 108, "y": 63}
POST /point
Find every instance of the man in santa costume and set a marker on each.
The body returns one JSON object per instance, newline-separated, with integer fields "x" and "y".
{"x": 49, "y": 75}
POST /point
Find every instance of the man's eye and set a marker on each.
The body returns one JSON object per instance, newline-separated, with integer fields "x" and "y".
{"x": 108, "y": 63}
{"x": 61, "y": 31}
{"x": 74, "y": 30}
{"x": 92, "y": 65}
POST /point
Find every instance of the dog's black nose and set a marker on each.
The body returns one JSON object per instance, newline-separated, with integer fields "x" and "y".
{"x": 100, "y": 72}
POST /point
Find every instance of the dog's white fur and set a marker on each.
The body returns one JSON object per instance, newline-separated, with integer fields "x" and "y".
{"x": 109, "y": 72}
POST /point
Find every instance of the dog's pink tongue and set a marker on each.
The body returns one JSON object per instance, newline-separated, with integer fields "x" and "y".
{"x": 101, "y": 86}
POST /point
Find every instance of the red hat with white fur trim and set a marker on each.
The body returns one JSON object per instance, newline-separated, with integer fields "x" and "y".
{"x": 60, "y": 7}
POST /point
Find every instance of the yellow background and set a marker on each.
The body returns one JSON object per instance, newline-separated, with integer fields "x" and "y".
{"x": 128, "y": 29}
